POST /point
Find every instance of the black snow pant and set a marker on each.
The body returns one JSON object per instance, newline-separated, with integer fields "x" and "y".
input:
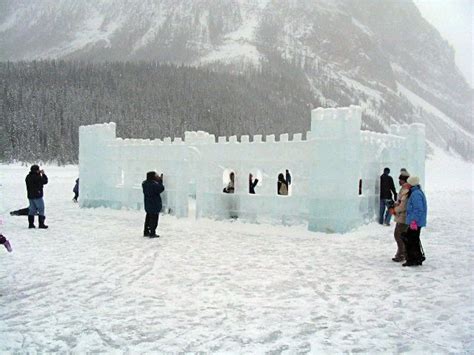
{"x": 413, "y": 246}
{"x": 151, "y": 222}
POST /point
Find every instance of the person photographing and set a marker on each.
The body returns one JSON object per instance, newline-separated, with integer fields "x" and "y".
{"x": 35, "y": 180}
{"x": 152, "y": 188}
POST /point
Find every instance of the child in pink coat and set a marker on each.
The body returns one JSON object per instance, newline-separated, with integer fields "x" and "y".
{"x": 4, "y": 241}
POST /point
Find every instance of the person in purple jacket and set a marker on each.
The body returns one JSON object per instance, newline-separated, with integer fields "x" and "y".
{"x": 417, "y": 210}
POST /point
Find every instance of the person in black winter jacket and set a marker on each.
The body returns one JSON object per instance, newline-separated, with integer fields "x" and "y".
{"x": 76, "y": 190}
{"x": 35, "y": 181}
{"x": 252, "y": 184}
{"x": 387, "y": 189}
{"x": 152, "y": 188}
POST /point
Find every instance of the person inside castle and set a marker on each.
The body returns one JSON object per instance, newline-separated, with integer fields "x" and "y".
{"x": 417, "y": 210}
{"x": 387, "y": 188}
{"x": 288, "y": 177}
{"x": 230, "y": 188}
{"x": 400, "y": 214}
{"x": 152, "y": 188}
{"x": 252, "y": 184}
{"x": 35, "y": 181}
{"x": 282, "y": 185}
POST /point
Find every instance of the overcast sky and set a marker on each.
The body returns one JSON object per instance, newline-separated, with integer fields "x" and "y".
{"x": 454, "y": 20}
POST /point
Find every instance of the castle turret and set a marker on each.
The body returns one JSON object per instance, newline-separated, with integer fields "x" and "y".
{"x": 415, "y": 149}
{"x": 335, "y": 139}
{"x": 94, "y": 169}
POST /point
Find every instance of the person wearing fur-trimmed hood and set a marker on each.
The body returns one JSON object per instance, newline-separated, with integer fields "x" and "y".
{"x": 400, "y": 215}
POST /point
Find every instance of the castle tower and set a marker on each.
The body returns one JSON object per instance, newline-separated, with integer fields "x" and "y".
{"x": 94, "y": 169}
{"x": 334, "y": 171}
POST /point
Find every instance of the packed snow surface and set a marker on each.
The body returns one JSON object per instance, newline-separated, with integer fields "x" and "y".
{"x": 92, "y": 283}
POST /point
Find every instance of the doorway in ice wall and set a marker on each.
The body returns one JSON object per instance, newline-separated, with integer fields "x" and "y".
{"x": 255, "y": 181}
{"x": 228, "y": 181}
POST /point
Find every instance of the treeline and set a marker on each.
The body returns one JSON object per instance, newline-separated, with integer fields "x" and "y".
{"x": 43, "y": 103}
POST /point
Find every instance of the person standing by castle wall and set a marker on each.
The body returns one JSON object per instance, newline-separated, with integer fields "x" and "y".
{"x": 152, "y": 188}
{"x": 400, "y": 215}
{"x": 76, "y": 190}
{"x": 417, "y": 210}
{"x": 387, "y": 188}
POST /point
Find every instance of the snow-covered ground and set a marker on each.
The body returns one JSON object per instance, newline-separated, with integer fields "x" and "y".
{"x": 92, "y": 283}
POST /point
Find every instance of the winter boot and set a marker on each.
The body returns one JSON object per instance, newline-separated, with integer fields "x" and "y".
{"x": 41, "y": 222}
{"x": 31, "y": 222}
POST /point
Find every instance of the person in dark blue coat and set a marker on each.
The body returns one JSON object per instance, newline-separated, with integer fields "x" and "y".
{"x": 35, "y": 181}
{"x": 252, "y": 184}
{"x": 76, "y": 190}
{"x": 152, "y": 188}
{"x": 417, "y": 210}
{"x": 388, "y": 195}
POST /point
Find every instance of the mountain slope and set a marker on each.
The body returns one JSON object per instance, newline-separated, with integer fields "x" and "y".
{"x": 380, "y": 54}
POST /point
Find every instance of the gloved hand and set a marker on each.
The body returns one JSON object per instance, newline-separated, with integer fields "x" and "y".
{"x": 413, "y": 226}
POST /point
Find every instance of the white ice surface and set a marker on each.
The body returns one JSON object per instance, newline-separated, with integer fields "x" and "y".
{"x": 92, "y": 283}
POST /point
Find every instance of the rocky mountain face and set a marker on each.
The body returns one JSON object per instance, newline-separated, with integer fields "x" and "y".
{"x": 381, "y": 55}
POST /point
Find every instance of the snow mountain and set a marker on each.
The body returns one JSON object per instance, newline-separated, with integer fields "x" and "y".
{"x": 382, "y": 55}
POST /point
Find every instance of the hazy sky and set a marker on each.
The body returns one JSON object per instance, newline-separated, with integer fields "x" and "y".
{"x": 454, "y": 20}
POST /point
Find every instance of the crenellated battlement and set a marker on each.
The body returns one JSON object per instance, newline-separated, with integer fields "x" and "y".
{"x": 204, "y": 138}
{"x": 336, "y": 123}
{"x": 379, "y": 139}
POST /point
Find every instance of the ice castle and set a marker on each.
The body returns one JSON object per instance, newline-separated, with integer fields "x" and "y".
{"x": 335, "y": 171}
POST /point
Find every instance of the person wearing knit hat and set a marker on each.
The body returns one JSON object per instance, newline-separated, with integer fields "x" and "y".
{"x": 400, "y": 214}
{"x": 416, "y": 213}
{"x": 414, "y": 180}
{"x": 404, "y": 172}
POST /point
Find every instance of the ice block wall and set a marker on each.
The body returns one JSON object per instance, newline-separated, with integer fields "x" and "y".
{"x": 326, "y": 164}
